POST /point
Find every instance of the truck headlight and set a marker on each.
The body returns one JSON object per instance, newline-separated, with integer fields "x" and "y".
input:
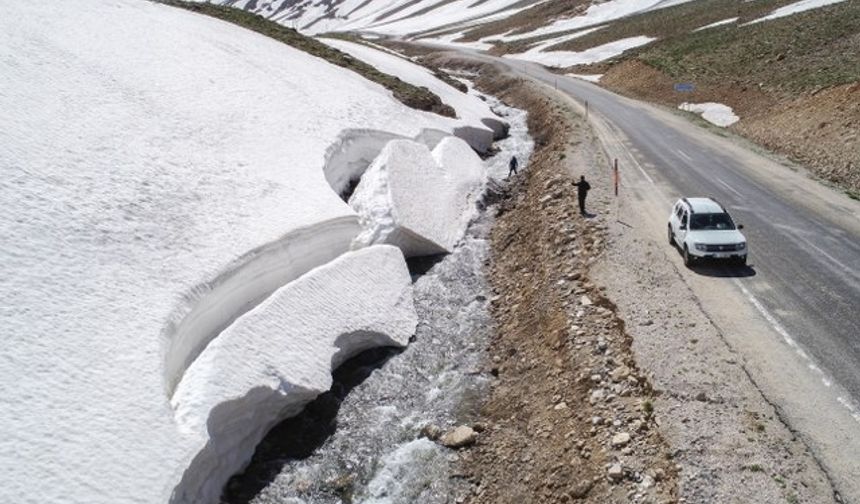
{"x": 741, "y": 245}
{"x": 700, "y": 246}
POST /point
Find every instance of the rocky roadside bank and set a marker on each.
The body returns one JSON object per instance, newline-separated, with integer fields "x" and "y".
{"x": 569, "y": 415}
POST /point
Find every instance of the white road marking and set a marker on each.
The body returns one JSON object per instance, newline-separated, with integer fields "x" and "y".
{"x": 684, "y": 155}
{"x": 832, "y": 259}
{"x": 774, "y": 323}
{"x": 852, "y": 276}
{"x": 644, "y": 172}
{"x": 730, "y": 188}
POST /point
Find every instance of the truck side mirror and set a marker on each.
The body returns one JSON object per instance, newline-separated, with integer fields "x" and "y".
{"x": 740, "y": 226}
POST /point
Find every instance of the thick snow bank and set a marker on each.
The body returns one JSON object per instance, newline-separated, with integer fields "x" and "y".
{"x": 160, "y": 174}
{"x": 468, "y": 107}
{"x": 715, "y": 113}
{"x": 274, "y": 359}
{"x": 416, "y": 199}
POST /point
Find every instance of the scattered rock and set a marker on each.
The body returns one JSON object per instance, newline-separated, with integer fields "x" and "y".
{"x": 616, "y": 472}
{"x": 585, "y": 301}
{"x": 431, "y": 431}
{"x": 701, "y": 396}
{"x": 581, "y": 489}
{"x": 620, "y": 373}
{"x": 620, "y": 440}
{"x": 459, "y": 437}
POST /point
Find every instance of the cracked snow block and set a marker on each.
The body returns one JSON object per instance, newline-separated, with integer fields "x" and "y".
{"x": 279, "y": 356}
{"x": 417, "y": 199}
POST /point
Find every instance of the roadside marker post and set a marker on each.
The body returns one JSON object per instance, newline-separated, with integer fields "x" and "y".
{"x": 615, "y": 177}
{"x": 586, "y": 110}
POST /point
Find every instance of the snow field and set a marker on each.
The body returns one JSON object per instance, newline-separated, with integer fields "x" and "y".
{"x": 715, "y": 113}
{"x": 280, "y": 355}
{"x": 163, "y": 174}
{"x": 418, "y": 200}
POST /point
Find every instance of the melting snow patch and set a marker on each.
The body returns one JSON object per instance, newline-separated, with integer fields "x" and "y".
{"x": 587, "y": 77}
{"x": 715, "y": 113}
{"x": 788, "y": 10}
{"x": 718, "y": 23}
{"x": 570, "y": 58}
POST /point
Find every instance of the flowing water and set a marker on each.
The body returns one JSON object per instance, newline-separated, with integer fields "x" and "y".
{"x": 360, "y": 442}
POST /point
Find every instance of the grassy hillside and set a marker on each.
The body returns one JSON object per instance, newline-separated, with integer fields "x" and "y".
{"x": 416, "y": 97}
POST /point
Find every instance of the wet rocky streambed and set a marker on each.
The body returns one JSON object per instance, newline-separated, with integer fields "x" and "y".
{"x": 361, "y": 441}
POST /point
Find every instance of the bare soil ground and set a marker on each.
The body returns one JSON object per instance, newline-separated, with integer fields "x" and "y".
{"x": 570, "y": 414}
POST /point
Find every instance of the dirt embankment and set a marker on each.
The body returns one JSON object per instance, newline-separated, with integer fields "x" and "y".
{"x": 819, "y": 129}
{"x": 570, "y": 415}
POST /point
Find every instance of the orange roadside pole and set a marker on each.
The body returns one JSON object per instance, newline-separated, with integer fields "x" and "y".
{"x": 615, "y": 177}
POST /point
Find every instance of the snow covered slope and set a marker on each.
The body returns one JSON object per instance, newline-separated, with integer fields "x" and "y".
{"x": 391, "y": 17}
{"x": 160, "y": 175}
{"x": 472, "y": 110}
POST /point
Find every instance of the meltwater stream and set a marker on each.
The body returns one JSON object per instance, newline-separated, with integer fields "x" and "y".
{"x": 360, "y": 442}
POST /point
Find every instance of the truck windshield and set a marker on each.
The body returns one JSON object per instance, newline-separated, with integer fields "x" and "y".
{"x": 711, "y": 221}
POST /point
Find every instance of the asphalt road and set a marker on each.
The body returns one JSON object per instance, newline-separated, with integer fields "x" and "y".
{"x": 804, "y": 240}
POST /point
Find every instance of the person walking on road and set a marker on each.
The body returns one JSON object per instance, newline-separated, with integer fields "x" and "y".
{"x": 582, "y": 188}
{"x": 512, "y": 166}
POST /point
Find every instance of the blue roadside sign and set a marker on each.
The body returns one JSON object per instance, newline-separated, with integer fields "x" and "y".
{"x": 684, "y": 87}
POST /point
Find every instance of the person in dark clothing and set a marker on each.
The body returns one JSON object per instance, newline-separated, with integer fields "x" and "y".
{"x": 582, "y": 188}
{"x": 513, "y": 166}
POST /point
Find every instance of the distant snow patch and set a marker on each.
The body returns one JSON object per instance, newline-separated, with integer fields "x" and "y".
{"x": 715, "y": 113}
{"x": 597, "y": 14}
{"x": 788, "y": 10}
{"x": 718, "y": 23}
{"x": 570, "y": 58}
{"x": 587, "y": 77}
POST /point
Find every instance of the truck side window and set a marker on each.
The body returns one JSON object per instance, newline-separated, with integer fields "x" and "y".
{"x": 684, "y": 221}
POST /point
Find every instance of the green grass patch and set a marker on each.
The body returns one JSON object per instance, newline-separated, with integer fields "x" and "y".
{"x": 815, "y": 49}
{"x": 416, "y": 97}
